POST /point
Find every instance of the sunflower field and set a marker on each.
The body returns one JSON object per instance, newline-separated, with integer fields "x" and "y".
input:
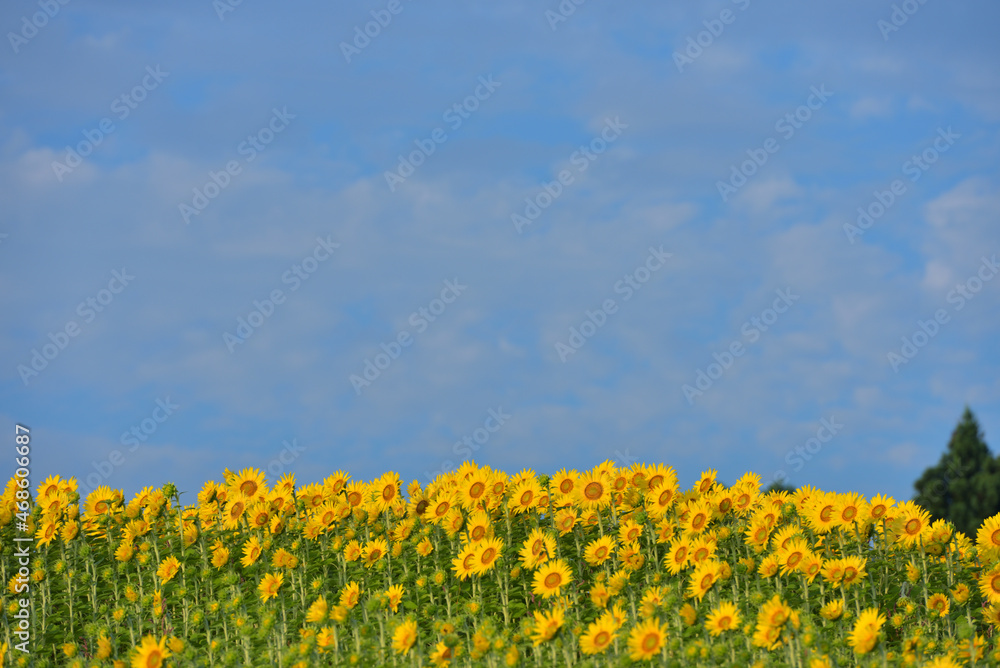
{"x": 607, "y": 567}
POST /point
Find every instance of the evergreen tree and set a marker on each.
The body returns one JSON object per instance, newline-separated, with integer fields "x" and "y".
{"x": 780, "y": 486}
{"x": 964, "y": 487}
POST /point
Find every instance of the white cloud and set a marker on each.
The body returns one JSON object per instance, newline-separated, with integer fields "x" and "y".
{"x": 762, "y": 194}
{"x": 871, "y": 107}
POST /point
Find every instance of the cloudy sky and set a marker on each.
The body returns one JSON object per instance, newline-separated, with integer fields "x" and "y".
{"x": 385, "y": 235}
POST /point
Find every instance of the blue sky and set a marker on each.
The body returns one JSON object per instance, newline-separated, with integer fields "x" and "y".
{"x": 450, "y": 200}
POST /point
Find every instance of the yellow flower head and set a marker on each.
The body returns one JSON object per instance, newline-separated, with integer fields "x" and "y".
{"x": 551, "y": 577}
{"x": 598, "y": 637}
{"x": 269, "y": 585}
{"x": 404, "y": 637}
{"x": 832, "y": 610}
{"x": 646, "y": 639}
{"x": 866, "y": 631}
{"x": 724, "y": 617}
{"x": 547, "y": 625}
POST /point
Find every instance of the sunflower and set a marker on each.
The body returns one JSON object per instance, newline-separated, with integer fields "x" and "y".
{"x": 564, "y": 484}
{"x": 350, "y": 594}
{"x": 866, "y": 631}
{"x": 850, "y": 508}
{"x": 48, "y": 531}
{"x": 722, "y": 501}
{"x": 464, "y": 564}
{"x": 631, "y": 556}
{"x": 768, "y": 566}
{"x": 646, "y": 639}
{"x": 688, "y": 614}
{"x": 404, "y": 637}
{"x": 960, "y": 593}
{"x": 599, "y": 595}
{"x": 854, "y": 570}
{"x": 394, "y": 596}
{"x": 599, "y": 550}
{"x": 103, "y": 647}
{"x": 661, "y": 498}
{"x": 615, "y": 616}
{"x": 54, "y": 503}
{"x": 593, "y": 491}
{"x": 259, "y": 515}
{"x": 538, "y": 548}
{"x": 440, "y": 507}
{"x": 442, "y": 654}
{"x": 386, "y": 490}
{"x": 317, "y": 611}
{"x": 335, "y": 482}
{"x": 821, "y": 512}
{"x": 248, "y": 483}
{"x": 498, "y": 484}
{"x": 310, "y": 495}
{"x": 551, "y": 577}
{"x": 774, "y": 613}
{"x": 659, "y": 475}
{"x": 251, "y": 551}
{"x": 235, "y": 508}
{"x": 269, "y": 585}
{"x": 991, "y": 615}
{"x": 618, "y": 581}
{"x": 757, "y": 535}
{"x": 629, "y": 531}
{"x": 666, "y": 530}
{"x": 99, "y": 501}
{"x": 280, "y": 501}
{"x": 699, "y": 515}
{"x": 599, "y": 636}
{"x": 326, "y": 637}
{"x": 220, "y": 555}
{"x": 168, "y": 569}
{"x": 352, "y": 551}
{"x": 768, "y": 637}
{"x": 652, "y": 599}
{"x": 912, "y": 524}
{"x": 939, "y": 604}
{"x": 355, "y": 493}
{"x": 565, "y": 520}
{"x": 373, "y": 551}
{"x": 745, "y": 494}
{"x": 706, "y": 482}
{"x": 783, "y": 536}
{"x": 474, "y": 490}
{"x": 478, "y": 527}
{"x": 833, "y": 571}
{"x": 425, "y": 547}
{"x": 723, "y": 617}
{"x": 547, "y": 625}
{"x": 151, "y": 653}
{"x": 678, "y": 558}
{"x": 989, "y": 584}
{"x": 524, "y": 496}
{"x": 988, "y": 536}
{"x": 51, "y": 486}
{"x": 284, "y": 559}
{"x": 453, "y": 522}
{"x": 832, "y": 610}
{"x": 811, "y": 565}
{"x": 125, "y": 550}
{"x": 702, "y": 578}
{"x": 879, "y": 506}
{"x": 486, "y": 555}
{"x": 791, "y": 556}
